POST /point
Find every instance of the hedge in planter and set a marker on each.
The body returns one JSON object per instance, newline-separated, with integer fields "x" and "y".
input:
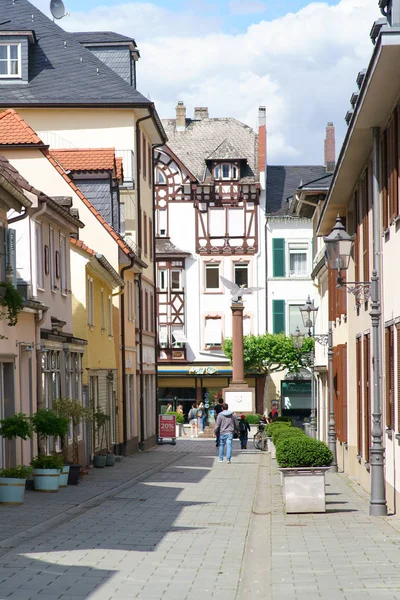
{"x": 46, "y": 472}
{"x": 276, "y": 427}
{"x": 253, "y": 419}
{"x": 180, "y": 419}
{"x": 303, "y": 451}
{"x": 282, "y": 435}
{"x": 12, "y": 484}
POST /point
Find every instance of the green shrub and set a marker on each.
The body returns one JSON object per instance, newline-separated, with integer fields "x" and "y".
{"x": 303, "y": 451}
{"x": 46, "y": 422}
{"x": 283, "y": 420}
{"x": 180, "y": 419}
{"x": 53, "y": 461}
{"x": 253, "y": 419}
{"x": 276, "y": 427}
{"x": 16, "y": 472}
{"x": 282, "y": 434}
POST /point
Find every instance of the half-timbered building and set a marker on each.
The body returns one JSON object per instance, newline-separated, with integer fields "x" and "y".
{"x": 210, "y": 204}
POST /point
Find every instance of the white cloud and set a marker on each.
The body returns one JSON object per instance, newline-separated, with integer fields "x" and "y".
{"x": 302, "y": 66}
{"x": 238, "y": 7}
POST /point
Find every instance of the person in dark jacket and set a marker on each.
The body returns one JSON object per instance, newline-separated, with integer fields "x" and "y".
{"x": 217, "y": 409}
{"x": 244, "y": 429}
{"x": 225, "y": 427}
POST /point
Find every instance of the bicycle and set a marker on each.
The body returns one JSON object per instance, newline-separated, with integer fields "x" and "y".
{"x": 260, "y": 440}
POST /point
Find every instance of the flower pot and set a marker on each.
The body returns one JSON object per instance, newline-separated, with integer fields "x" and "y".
{"x": 110, "y": 460}
{"x": 304, "y": 489}
{"x": 46, "y": 480}
{"x": 73, "y": 475}
{"x": 99, "y": 461}
{"x": 12, "y": 490}
{"x": 64, "y": 474}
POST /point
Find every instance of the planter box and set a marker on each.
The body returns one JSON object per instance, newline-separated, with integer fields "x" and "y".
{"x": 110, "y": 460}
{"x": 99, "y": 461}
{"x": 12, "y": 490}
{"x": 46, "y": 480}
{"x": 304, "y": 489}
{"x": 179, "y": 430}
{"x": 63, "y": 480}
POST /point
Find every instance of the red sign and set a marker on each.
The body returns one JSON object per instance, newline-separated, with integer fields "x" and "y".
{"x": 167, "y": 426}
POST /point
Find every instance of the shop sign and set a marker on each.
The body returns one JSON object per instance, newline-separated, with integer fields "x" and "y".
{"x": 167, "y": 426}
{"x": 203, "y": 371}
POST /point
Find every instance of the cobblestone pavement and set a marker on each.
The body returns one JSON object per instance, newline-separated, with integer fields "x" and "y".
{"x": 175, "y": 524}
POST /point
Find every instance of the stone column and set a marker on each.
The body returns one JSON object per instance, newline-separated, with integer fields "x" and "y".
{"x": 237, "y": 345}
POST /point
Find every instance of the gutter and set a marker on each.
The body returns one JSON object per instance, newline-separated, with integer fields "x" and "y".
{"x": 106, "y": 265}
{"x": 14, "y": 191}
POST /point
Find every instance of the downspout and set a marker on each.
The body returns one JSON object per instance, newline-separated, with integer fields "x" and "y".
{"x": 19, "y": 218}
{"x": 155, "y": 286}
{"x": 139, "y": 220}
{"x": 123, "y": 365}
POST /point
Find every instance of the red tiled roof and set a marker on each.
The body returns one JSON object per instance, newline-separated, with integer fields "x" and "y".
{"x": 119, "y": 169}
{"x": 14, "y": 130}
{"x": 85, "y": 159}
{"x": 123, "y": 245}
{"x": 81, "y": 245}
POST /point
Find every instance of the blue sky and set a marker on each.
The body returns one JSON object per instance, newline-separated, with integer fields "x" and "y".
{"x": 233, "y": 16}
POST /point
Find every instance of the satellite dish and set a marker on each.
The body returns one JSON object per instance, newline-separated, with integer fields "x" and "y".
{"x": 57, "y": 9}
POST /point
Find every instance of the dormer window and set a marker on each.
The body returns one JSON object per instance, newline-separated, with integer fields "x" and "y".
{"x": 10, "y": 60}
{"x": 226, "y": 171}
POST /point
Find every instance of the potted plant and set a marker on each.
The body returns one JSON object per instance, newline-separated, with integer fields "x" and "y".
{"x": 12, "y": 479}
{"x": 76, "y": 414}
{"x": 100, "y": 458}
{"x": 303, "y": 462}
{"x": 272, "y": 428}
{"x": 46, "y": 472}
{"x": 179, "y": 422}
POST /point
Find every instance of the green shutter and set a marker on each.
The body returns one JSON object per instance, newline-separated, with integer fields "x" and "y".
{"x": 278, "y": 316}
{"x": 278, "y": 256}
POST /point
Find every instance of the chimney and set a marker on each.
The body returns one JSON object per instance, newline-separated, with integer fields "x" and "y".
{"x": 262, "y": 140}
{"x": 180, "y": 116}
{"x": 200, "y": 113}
{"x": 329, "y": 148}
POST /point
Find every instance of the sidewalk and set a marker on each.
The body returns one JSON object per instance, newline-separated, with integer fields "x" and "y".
{"x": 174, "y": 524}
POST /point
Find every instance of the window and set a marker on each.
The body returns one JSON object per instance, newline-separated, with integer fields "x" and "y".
{"x": 52, "y": 262}
{"x": 241, "y": 275}
{"x": 63, "y": 264}
{"x": 163, "y": 336}
{"x": 110, "y": 317}
{"x": 151, "y": 313}
{"x": 90, "y": 301}
{"x": 176, "y": 280}
{"x": 151, "y": 239}
{"x": 160, "y": 177}
{"x": 146, "y": 311}
{"x": 51, "y": 377}
{"x": 298, "y": 259}
{"x": 212, "y": 276}
{"x": 295, "y": 319}
{"x": 39, "y": 255}
{"x": 213, "y": 332}
{"x": 178, "y": 336}
{"x": 150, "y": 163}
{"x": 278, "y": 257}
{"x": 226, "y": 171}
{"x": 278, "y": 316}
{"x": 145, "y": 233}
{"x": 144, "y": 157}
{"x": 10, "y": 60}
{"x": 162, "y": 223}
{"x": 130, "y": 306}
{"x": 103, "y": 311}
{"x": 162, "y": 280}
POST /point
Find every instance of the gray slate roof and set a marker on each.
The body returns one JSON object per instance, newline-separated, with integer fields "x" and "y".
{"x": 201, "y": 139}
{"x": 102, "y": 37}
{"x": 284, "y": 181}
{"x": 57, "y": 75}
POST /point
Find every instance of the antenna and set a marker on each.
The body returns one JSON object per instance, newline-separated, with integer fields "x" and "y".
{"x": 57, "y": 9}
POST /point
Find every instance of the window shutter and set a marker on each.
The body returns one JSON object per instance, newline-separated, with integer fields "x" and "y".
{"x": 356, "y": 249}
{"x": 213, "y": 331}
{"x": 336, "y": 389}
{"x": 278, "y": 316}
{"x": 367, "y": 398}
{"x": 359, "y": 396}
{"x": 343, "y": 362}
{"x": 365, "y": 226}
{"x": 393, "y": 168}
{"x": 387, "y": 377}
{"x": 11, "y": 256}
{"x": 398, "y": 375}
{"x": 392, "y": 377}
{"x": 278, "y": 257}
{"x": 385, "y": 219}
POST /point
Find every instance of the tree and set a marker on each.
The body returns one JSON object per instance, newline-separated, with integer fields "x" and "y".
{"x": 272, "y": 352}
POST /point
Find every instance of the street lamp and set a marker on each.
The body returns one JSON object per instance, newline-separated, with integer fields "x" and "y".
{"x": 298, "y": 338}
{"x": 309, "y": 313}
{"x": 339, "y": 246}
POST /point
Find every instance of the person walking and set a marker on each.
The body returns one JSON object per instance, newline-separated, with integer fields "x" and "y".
{"x": 244, "y": 429}
{"x": 225, "y": 427}
{"x": 217, "y": 409}
{"x": 179, "y": 410}
{"x": 193, "y": 420}
{"x": 201, "y": 414}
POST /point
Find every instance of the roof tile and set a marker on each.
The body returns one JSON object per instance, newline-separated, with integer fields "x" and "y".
{"x": 14, "y": 130}
{"x": 85, "y": 159}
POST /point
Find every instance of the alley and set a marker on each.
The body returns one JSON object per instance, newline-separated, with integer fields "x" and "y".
{"x": 173, "y": 523}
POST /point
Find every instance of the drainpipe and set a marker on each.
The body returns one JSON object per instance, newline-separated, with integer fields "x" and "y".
{"x": 155, "y": 285}
{"x": 123, "y": 366}
{"x": 139, "y": 220}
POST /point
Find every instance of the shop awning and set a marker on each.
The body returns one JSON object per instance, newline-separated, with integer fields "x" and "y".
{"x": 195, "y": 371}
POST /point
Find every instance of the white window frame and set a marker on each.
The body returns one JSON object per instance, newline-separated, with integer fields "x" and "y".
{"x": 130, "y": 301}
{"x": 233, "y": 174}
{"x": 90, "y": 301}
{"x": 103, "y": 310}
{"x": 63, "y": 265}
{"x": 163, "y": 280}
{"x": 210, "y": 266}
{"x": 294, "y": 305}
{"x": 110, "y": 317}
{"x": 162, "y": 222}
{"x": 241, "y": 266}
{"x": 298, "y": 247}
{"x": 213, "y": 345}
{"x": 9, "y": 60}
{"x": 39, "y": 255}
{"x": 180, "y": 285}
